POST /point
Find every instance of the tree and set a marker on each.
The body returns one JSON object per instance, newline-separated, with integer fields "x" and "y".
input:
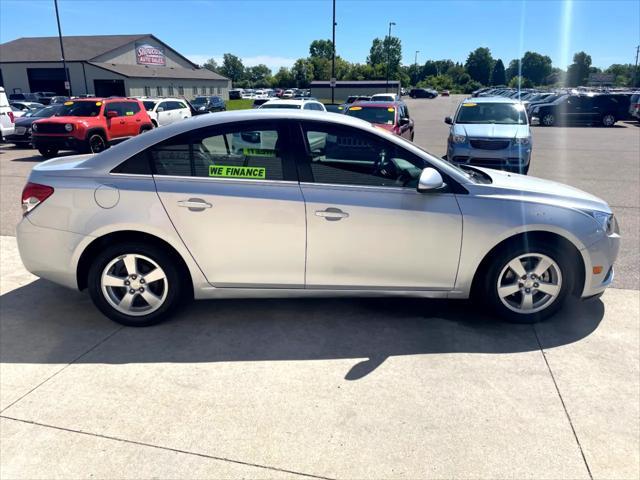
{"x": 321, "y": 49}
{"x": 622, "y": 74}
{"x": 520, "y": 82}
{"x": 212, "y": 65}
{"x": 479, "y": 65}
{"x": 258, "y": 75}
{"x": 386, "y": 51}
{"x": 232, "y": 67}
{"x": 498, "y": 76}
{"x": 536, "y": 67}
{"x": 513, "y": 70}
{"x": 283, "y": 78}
{"x": 578, "y": 71}
{"x": 302, "y": 72}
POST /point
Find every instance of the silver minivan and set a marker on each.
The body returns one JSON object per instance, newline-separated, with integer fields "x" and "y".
{"x": 490, "y": 132}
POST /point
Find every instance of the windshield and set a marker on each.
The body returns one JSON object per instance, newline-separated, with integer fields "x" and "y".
{"x": 381, "y": 116}
{"x": 80, "y": 109}
{"x": 280, "y": 105}
{"x": 148, "y": 105}
{"x": 500, "y": 113}
{"x": 45, "y": 112}
{"x": 199, "y": 100}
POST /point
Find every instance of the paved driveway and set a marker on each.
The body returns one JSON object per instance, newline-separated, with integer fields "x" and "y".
{"x": 330, "y": 388}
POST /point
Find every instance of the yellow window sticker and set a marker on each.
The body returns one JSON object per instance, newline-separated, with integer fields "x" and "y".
{"x": 469, "y": 104}
{"x": 391, "y": 109}
{"x": 128, "y": 113}
{"x": 258, "y": 152}
{"x": 98, "y": 104}
{"x": 355, "y": 108}
{"x": 237, "y": 172}
{"x": 66, "y": 104}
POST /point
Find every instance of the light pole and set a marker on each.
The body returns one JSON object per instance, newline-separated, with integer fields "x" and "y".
{"x": 67, "y": 85}
{"x": 333, "y": 55}
{"x": 416, "y": 59}
{"x": 389, "y": 54}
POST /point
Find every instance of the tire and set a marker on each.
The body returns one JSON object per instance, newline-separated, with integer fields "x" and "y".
{"x": 527, "y": 304}
{"x": 112, "y": 265}
{"x": 96, "y": 143}
{"x": 48, "y": 152}
{"x": 154, "y": 123}
{"x": 145, "y": 128}
{"x": 608, "y": 120}
{"x": 548, "y": 120}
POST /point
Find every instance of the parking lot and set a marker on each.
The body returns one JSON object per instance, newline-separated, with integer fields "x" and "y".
{"x": 331, "y": 388}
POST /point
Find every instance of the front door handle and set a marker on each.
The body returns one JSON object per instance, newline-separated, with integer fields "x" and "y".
{"x": 332, "y": 214}
{"x": 194, "y": 204}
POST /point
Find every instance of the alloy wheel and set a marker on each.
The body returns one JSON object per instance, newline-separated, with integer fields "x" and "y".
{"x": 548, "y": 120}
{"x": 96, "y": 144}
{"x": 608, "y": 120}
{"x": 529, "y": 283}
{"x": 134, "y": 284}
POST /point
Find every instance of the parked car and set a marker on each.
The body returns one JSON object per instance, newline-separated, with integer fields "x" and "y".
{"x": 259, "y": 101}
{"x": 163, "y": 111}
{"x": 58, "y": 99}
{"x": 17, "y": 112}
{"x": 392, "y": 116}
{"x": 288, "y": 93}
{"x": 45, "y": 97}
{"x": 294, "y": 104}
{"x": 596, "y": 109}
{"x": 211, "y": 103}
{"x": 444, "y": 93}
{"x": 235, "y": 94}
{"x": 388, "y": 221}
{"x": 334, "y": 107}
{"x": 423, "y": 93}
{"x": 634, "y": 106}
{"x": 24, "y": 97}
{"x": 7, "y": 118}
{"x": 22, "y": 134}
{"x": 385, "y": 97}
{"x": 490, "y": 132}
{"x": 25, "y": 107}
{"x": 90, "y": 125}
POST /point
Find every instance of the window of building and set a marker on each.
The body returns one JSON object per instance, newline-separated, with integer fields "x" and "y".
{"x": 159, "y": 91}
{"x": 195, "y": 90}
{"x": 147, "y": 91}
{"x": 171, "y": 90}
{"x": 211, "y": 90}
{"x": 180, "y": 90}
{"x": 343, "y": 155}
{"x": 231, "y": 152}
{"x": 219, "y": 90}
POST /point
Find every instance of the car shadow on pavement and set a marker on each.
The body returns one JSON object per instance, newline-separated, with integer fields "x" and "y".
{"x": 44, "y": 323}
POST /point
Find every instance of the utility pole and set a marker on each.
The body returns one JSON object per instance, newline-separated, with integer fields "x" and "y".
{"x": 333, "y": 55}
{"x": 389, "y": 55}
{"x": 635, "y": 71}
{"x": 416, "y": 59}
{"x": 67, "y": 83}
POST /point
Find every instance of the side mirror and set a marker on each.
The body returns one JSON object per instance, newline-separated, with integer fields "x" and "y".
{"x": 404, "y": 121}
{"x": 430, "y": 180}
{"x": 112, "y": 114}
{"x": 160, "y": 109}
{"x": 448, "y": 120}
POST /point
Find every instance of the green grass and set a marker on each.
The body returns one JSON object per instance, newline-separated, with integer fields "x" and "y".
{"x": 241, "y": 104}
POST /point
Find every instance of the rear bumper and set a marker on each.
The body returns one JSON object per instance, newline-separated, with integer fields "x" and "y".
{"x": 36, "y": 245}
{"x": 6, "y": 130}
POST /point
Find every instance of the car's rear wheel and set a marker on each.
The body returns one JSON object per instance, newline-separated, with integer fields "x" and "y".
{"x": 96, "y": 143}
{"x": 548, "y": 120}
{"x": 135, "y": 285}
{"x": 608, "y": 120}
{"x": 48, "y": 152}
{"x": 529, "y": 282}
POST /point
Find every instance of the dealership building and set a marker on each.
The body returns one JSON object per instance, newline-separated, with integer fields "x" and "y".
{"x": 105, "y": 65}
{"x": 345, "y": 88}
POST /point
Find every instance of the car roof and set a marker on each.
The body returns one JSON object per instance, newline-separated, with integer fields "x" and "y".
{"x": 490, "y": 100}
{"x": 385, "y": 94}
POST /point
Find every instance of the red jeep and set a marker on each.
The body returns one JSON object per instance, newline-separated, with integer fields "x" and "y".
{"x": 89, "y": 125}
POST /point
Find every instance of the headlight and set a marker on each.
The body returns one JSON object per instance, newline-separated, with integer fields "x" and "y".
{"x": 459, "y": 138}
{"x": 522, "y": 140}
{"x": 68, "y": 127}
{"x": 606, "y": 221}
{"x": 535, "y": 109}
{"x": 35, "y": 127}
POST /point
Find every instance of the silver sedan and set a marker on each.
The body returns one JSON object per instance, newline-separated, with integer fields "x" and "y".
{"x": 281, "y": 203}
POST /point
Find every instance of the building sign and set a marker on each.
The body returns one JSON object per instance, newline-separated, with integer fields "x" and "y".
{"x": 149, "y": 55}
{"x": 595, "y": 78}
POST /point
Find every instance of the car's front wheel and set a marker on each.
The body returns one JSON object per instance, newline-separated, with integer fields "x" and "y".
{"x": 135, "y": 285}
{"x": 529, "y": 282}
{"x": 608, "y": 120}
{"x": 48, "y": 152}
{"x": 548, "y": 120}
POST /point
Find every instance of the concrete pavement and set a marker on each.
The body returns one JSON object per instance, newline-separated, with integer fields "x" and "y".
{"x": 360, "y": 388}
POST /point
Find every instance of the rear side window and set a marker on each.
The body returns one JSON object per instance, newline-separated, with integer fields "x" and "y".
{"x": 252, "y": 151}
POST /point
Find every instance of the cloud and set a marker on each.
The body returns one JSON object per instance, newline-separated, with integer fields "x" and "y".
{"x": 273, "y": 62}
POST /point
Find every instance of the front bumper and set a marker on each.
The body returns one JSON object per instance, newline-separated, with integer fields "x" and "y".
{"x": 603, "y": 254}
{"x": 61, "y": 142}
{"x": 35, "y": 245}
{"x": 514, "y": 157}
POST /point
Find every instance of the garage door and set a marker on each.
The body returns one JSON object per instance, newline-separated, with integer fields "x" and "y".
{"x": 47, "y": 80}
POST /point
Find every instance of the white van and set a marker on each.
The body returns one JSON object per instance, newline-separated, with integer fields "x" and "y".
{"x": 7, "y": 120}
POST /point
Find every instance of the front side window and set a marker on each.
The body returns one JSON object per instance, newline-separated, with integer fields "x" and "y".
{"x": 242, "y": 152}
{"x": 348, "y": 156}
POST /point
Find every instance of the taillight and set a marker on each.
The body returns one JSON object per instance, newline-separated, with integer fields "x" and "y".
{"x": 12, "y": 119}
{"x": 33, "y": 195}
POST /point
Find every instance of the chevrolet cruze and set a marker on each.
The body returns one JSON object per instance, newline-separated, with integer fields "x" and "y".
{"x": 276, "y": 203}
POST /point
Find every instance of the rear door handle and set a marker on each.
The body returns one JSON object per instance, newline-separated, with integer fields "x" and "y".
{"x": 194, "y": 204}
{"x": 332, "y": 214}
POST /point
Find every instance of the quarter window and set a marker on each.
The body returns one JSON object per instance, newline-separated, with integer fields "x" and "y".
{"x": 347, "y": 156}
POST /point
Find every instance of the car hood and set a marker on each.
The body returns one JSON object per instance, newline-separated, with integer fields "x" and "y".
{"x": 525, "y": 187}
{"x": 26, "y": 121}
{"x": 490, "y": 130}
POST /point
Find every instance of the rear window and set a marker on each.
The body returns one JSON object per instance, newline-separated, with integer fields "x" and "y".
{"x": 281, "y": 105}
{"x": 382, "y": 116}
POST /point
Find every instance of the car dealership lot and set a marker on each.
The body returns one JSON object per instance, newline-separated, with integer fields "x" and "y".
{"x": 331, "y": 388}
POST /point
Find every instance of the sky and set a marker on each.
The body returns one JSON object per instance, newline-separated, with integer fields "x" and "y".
{"x": 276, "y": 33}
